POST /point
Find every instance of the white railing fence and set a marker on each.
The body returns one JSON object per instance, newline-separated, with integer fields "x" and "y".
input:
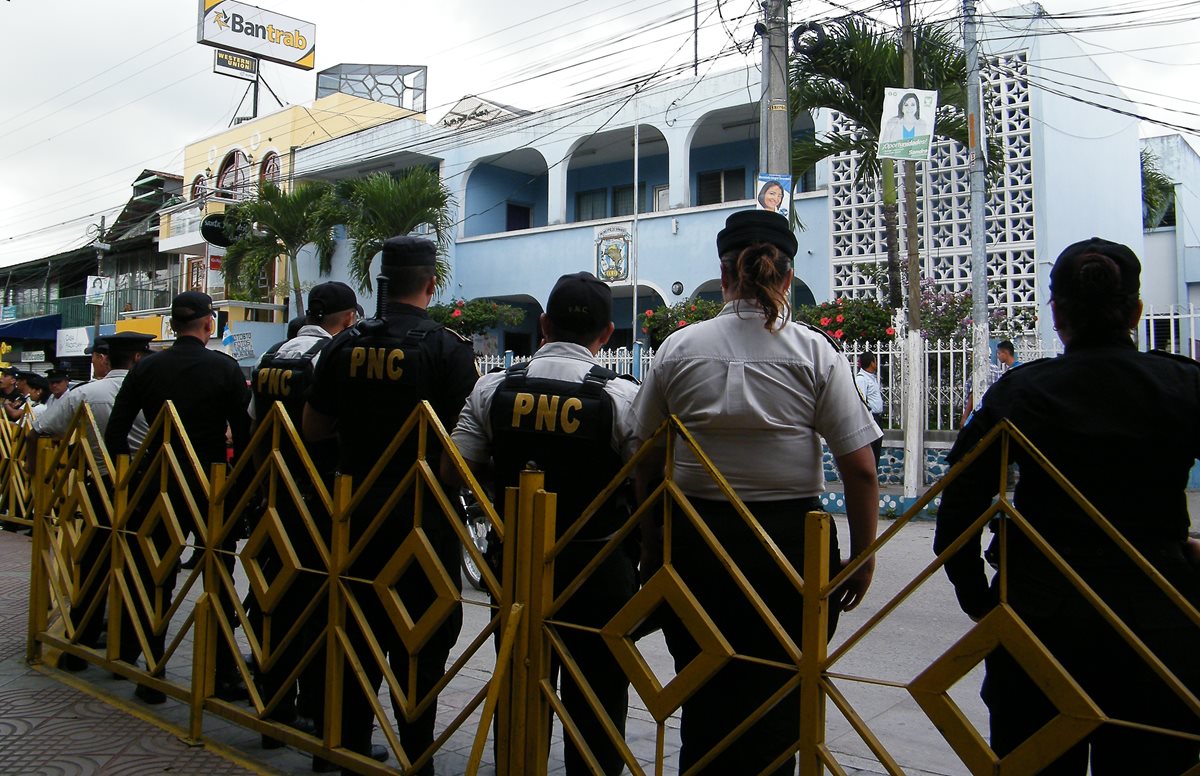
{"x": 947, "y": 362}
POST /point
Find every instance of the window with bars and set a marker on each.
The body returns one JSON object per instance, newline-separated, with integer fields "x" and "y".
{"x": 623, "y": 199}
{"x": 590, "y": 205}
{"x": 717, "y": 186}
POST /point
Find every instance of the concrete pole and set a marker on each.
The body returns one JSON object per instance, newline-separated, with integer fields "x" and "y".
{"x": 777, "y": 127}
{"x": 914, "y": 366}
{"x": 980, "y": 355}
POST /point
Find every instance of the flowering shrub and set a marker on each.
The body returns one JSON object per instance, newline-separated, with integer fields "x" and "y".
{"x": 849, "y": 320}
{"x": 661, "y": 321}
{"x": 476, "y": 316}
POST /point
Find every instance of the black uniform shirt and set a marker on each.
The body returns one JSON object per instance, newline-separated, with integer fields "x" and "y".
{"x": 208, "y": 390}
{"x": 371, "y": 406}
{"x": 1122, "y": 426}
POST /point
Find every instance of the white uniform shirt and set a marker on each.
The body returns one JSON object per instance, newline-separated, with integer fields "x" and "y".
{"x": 756, "y": 402}
{"x": 554, "y": 361}
{"x": 99, "y": 395}
{"x": 868, "y": 386}
{"x": 297, "y": 346}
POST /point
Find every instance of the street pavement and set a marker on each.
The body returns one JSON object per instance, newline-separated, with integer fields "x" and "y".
{"x": 88, "y": 723}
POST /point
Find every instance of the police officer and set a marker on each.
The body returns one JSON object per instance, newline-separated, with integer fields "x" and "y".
{"x": 1106, "y": 416}
{"x": 757, "y": 392}
{"x": 210, "y": 394}
{"x": 60, "y": 382}
{"x": 569, "y": 415}
{"x": 368, "y": 382}
{"x": 121, "y": 351}
{"x": 285, "y": 374}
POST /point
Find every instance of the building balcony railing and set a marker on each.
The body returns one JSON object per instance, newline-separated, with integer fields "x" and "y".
{"x": 75, "y": 312}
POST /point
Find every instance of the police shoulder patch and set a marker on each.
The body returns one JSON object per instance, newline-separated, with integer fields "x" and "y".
{"x": 823, "y": 333}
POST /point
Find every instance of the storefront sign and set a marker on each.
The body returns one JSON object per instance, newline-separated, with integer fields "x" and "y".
{"x": 235, "y": 26}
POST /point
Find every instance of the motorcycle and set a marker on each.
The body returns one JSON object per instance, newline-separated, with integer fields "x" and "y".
{"x": 478, "y": 527}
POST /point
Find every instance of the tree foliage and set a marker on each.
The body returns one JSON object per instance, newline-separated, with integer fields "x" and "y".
{"x": 279, "y": 222}
{"x": 381, "y": 206}
{"x": 847, "y": 69}
{"x": 1158, "y": 192}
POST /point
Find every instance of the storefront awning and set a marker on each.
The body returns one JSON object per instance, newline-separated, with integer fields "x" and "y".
{"x": 43, "y": 327}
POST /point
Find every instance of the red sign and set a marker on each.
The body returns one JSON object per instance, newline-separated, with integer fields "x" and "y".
{"x": 214, "y": 261}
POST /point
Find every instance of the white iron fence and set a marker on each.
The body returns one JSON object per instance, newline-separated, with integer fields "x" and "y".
{"x": 947, "y": 363}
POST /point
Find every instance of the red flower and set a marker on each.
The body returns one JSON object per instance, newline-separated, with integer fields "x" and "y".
{"x": 649, "y": 313}
{"x": 841, "y": 318}
{"x": 693, "y": 308}
{"x": 645, "y": 330}
{"x": 460, "y": 302}
{"x": 824, "y": 321}
{"x": 838, "y": 334}
{"x": 890, "y": 331}
{"x": 839, "y": 301}
{"x": 456, "y": 314}
{"x": 682, "y": 324}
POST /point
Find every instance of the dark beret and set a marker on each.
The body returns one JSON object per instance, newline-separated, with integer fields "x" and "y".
{"x": 407, "y": 251}
{"x": 757, "y": 226}
{"x": 1064, "y": 273}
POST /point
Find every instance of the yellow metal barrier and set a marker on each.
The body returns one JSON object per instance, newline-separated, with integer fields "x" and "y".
{"x": 110, "y": 544}
{"x": 16, "y": 494}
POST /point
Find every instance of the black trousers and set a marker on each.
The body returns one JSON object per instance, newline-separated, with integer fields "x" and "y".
{"x": 608, "y": 588}
{"x": 416, "y": 595}
{"x": 739, "y": 687}
{"x": 1107, "y": 669}
{"x": 95, "y": 558}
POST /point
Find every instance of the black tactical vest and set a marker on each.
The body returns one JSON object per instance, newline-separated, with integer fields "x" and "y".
{"x": 565, "y": 428}
{"x": 384, "y": 372}
{"x": 288, "y": 379}
{"x": 284, "y": 378}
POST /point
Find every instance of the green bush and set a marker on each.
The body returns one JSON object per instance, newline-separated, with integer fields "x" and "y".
{"x": 662, "y": 320}
{"x": 849, "y": 320}
{"x": 476, "y": 316}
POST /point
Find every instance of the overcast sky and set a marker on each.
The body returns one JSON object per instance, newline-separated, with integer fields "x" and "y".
{"x": 96, "y": 92}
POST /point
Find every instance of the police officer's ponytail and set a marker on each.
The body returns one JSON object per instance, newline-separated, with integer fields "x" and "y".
{"x": 759, "y": 271}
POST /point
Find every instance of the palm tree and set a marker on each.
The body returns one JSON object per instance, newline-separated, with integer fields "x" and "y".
{"x": 278, "y": 222}
{"x": 847, "y": 70}
{"x": 382, "y": 206}
{"x": 1158, "y": 193}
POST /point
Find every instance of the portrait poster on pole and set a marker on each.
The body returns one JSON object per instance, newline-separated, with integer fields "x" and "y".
{"x": 97, "y": 288}
{"x": 906, "y": 129}
{"x": 775, "y": 193}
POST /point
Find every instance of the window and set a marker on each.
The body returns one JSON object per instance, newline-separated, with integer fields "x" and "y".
{"x": 590, "y": 205}
{"x": 269, "y": 169}
{"x": 719, "y": 186}
{"x": 198, "y": 187}
{"x": 517, "y": 217}
{"x": 234, "y": 175}
{"x": 623, "y": 199}
{"x": 662, "y": 198}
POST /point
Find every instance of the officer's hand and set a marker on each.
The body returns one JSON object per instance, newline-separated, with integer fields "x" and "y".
{"x": 854, "y": 589}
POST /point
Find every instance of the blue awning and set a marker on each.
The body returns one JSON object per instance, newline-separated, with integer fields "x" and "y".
{"x": 43, "y": 327}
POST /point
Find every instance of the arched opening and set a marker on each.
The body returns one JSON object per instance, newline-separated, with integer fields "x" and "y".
{"x": 600, "y": 175}
{"x": 648, "y": 298}
{"x": 506, "y": 193}
{"x": 233, "y": 178}
{"x": 199, "y": 187}
{"x": 270, "y": 169}
{"x": 522, "y": 339}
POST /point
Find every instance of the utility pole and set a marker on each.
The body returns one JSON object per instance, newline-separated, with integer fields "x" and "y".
{"x": 914, "y": 412}
{"x": 775, "y": 132}
{"x": 980, "y": 356}
{"x": 101, "y": 247}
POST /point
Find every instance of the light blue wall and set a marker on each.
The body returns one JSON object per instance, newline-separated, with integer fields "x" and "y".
{"x": 652, "y": 171}
{"x": 490, "y": 187}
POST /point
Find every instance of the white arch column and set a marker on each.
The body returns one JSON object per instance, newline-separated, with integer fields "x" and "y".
{"x": 679, "y": 167}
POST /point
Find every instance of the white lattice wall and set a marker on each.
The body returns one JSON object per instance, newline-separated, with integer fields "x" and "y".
{"x": 943, "y": 191}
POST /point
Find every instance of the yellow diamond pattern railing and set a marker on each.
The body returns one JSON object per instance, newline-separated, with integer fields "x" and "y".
{"x": 110, "y": 545}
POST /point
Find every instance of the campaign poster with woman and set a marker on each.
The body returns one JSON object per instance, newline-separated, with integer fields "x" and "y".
{"x": 775, "y": 193}
{"x": 906, "y": 129}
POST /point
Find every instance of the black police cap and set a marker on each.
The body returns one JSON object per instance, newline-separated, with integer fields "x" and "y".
{"x": 127, "y": 342}
{"x": 191, "y": 306}
{"x": 34, "y": 380}
{"x": 580, "y": 303}
{"x": 405, "y": 251}
{"x": 754, "y": 226}
{"x": 60, "y": 372}
{"x": 330, "y": 297}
